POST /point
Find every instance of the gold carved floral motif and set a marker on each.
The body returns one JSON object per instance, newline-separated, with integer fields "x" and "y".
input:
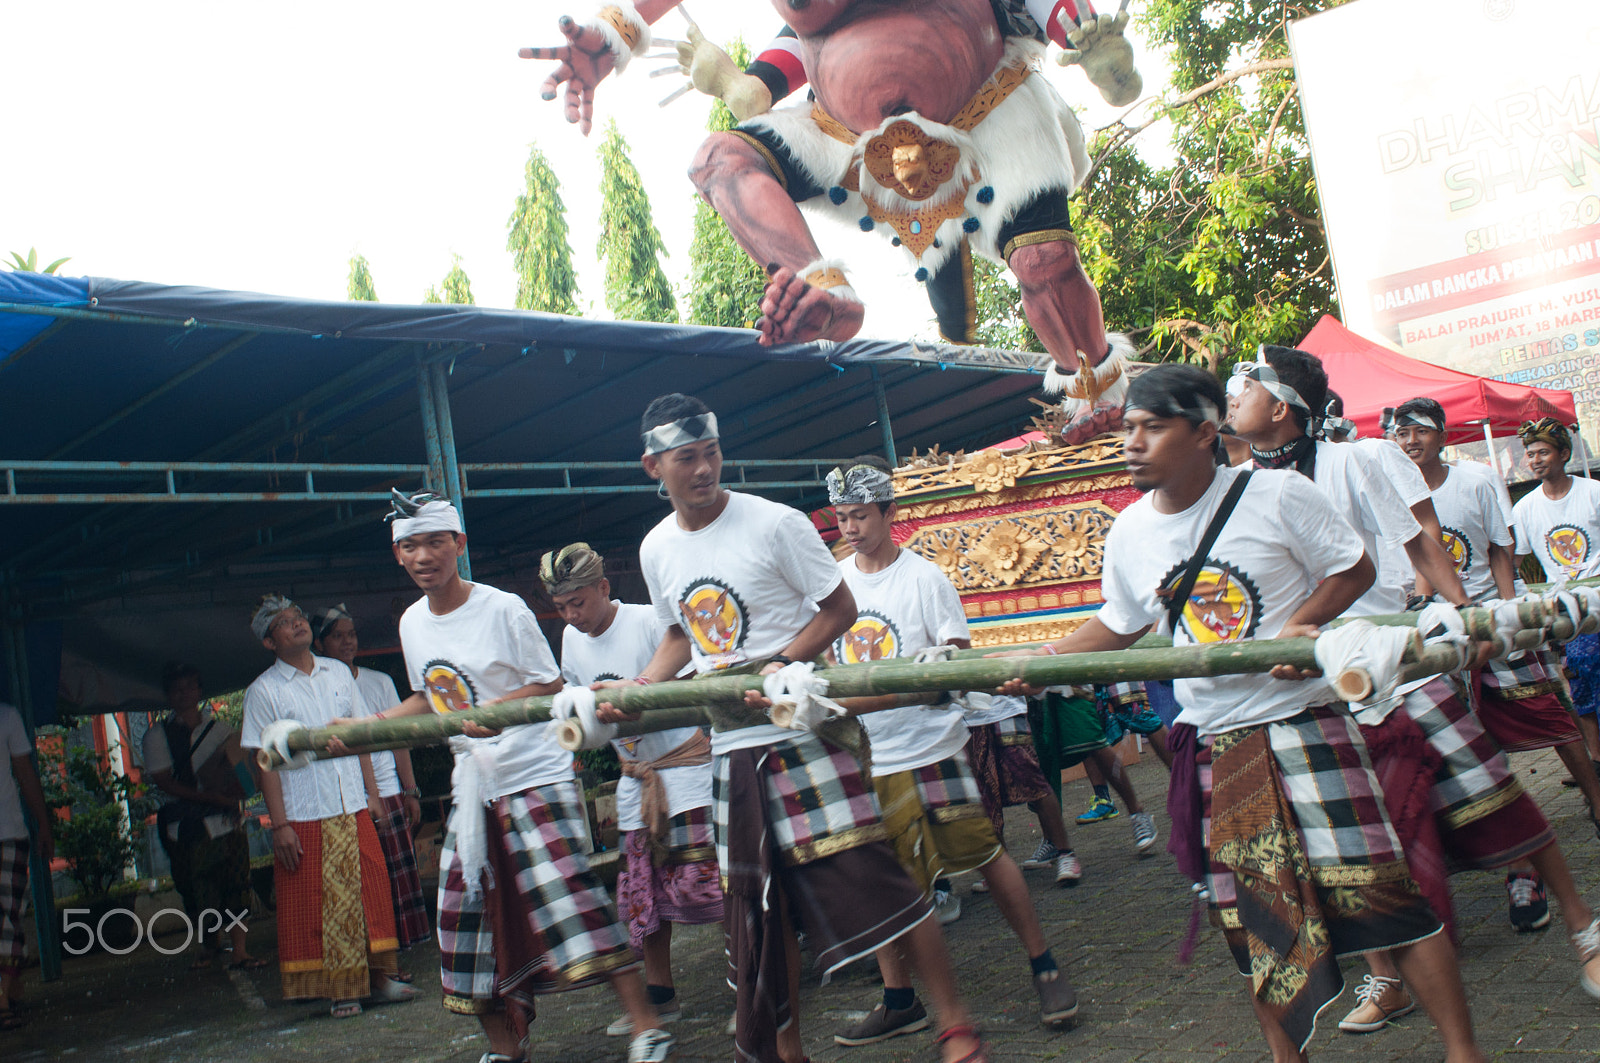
{"x": 1057, "y": 544}
{"x": 993, "y": 471}
{"x": 1055, "y": 489}
{"x": 1033, "y": 631}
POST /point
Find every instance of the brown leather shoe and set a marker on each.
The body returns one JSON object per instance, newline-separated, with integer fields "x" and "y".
{"x": 1378, "y": 1000}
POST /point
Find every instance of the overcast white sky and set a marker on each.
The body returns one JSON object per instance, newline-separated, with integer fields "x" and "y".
{"x": 257, "y": 147}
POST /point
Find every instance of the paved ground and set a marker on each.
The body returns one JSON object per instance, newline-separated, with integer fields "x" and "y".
{"x": 1117, "y": 936}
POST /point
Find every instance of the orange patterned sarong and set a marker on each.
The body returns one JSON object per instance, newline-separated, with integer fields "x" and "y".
{"x": 335, "y": 918}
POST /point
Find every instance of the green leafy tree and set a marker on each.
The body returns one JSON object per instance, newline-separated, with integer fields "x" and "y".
{"x": 1225, "y": 249}
{"x": 359, "y": 287}
{"x": 30, "y": 264}
{"x": 630, "y": 245}
{"x": 537, "y": 238}
{"x": 725, "y": 284}
{"x": 99, "y": 840}
{"x": 455, "y": 288}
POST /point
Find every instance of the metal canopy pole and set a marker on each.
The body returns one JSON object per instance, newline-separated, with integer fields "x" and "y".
{"x": 442, "y": 471}
{"x": 883, "y": 417}
{"x": 44, "y": 900}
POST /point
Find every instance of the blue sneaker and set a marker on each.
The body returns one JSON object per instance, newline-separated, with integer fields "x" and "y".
{"x": 1099, "y": 812}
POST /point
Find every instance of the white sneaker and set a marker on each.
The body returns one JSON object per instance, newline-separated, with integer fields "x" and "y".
{"x": 1588, "y": 942}
{"x": 1043, "y": 856}
{"x": 1068, "y": 870}
{"x": 1144, "y": 831}
{"x": 671, "y": 1011}
{"x": 652, "y": 1046}
{"x": 946, "y": 907}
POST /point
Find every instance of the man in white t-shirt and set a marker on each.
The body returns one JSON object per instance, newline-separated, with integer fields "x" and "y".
{"x": 1283, "y": 564}
{"x": 669, "y": 852}
{"x": 392, "y": 795}
{"x": 335, "y": 920}
{"x": 740, "y": 582}
{"x": 1394, "y": 567}
{"x": 19, "y": 787}
{"x": 1559, "y": 523}
{"x": 514, "y": 856}
{"x": 931, "y": 804}
{"x": 1477, "y": 814}
{"x": 1522, "y": 699}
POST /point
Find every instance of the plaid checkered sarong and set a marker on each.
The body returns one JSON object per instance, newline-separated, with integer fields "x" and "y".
{"x": 405, "y": 884}
{"x": 1304, "y": 863}
{"x": 1523, "y": 675}
{"x": 544, "y": 924}
{"x": 13, "y": 894}
{"x": 1475, "y": 778}
{"x": 948, "y": 790}
{"x": 819, "y": 801}
{"x": 798, "y": 832}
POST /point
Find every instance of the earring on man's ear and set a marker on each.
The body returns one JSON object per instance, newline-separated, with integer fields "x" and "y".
{"x": 661, "y": 491}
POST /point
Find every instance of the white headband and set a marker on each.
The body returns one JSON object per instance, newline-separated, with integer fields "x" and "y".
{"x": 1263, "y": 374}
{"x": 858, "y": 485}
{"x": 680, "y": 433}
{"x": 421, "y": 513}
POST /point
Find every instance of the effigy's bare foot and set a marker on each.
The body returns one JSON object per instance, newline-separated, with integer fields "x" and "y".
{"x": 1092, "y": 392}
{"x": 796, "y": 312}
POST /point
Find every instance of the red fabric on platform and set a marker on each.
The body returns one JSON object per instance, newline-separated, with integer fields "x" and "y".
{"x": 1369, "y": 376}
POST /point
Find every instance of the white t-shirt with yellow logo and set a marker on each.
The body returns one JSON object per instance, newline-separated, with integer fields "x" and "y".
{"x": 1282, "y": 540}
{"x": 905, "y": 608}
{"x": 1562, "y": 532}
{"x": 1470, "y": 520}
{"x": 482, "y": 651}
{"x": 741, "y": 588}
{"x": 622, "y": 651}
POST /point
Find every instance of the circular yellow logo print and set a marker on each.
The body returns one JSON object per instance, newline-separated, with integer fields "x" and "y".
{"x": 447, "y": 689}
{"x": 871, "y": 638}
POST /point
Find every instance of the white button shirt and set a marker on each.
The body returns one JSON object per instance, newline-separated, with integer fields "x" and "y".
{"x": 324, "y": 788}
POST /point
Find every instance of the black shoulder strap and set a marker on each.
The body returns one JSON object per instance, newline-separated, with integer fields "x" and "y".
{"x": 1191, "y": 572}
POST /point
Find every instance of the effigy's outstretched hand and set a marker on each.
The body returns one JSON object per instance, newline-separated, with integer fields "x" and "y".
{"x": 584, "y": 61}
{"x": 713, "y": 72}
{"x": 1099, "y": 46}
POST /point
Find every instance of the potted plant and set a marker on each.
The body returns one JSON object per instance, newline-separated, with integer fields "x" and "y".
{"x": 98, "y": 841}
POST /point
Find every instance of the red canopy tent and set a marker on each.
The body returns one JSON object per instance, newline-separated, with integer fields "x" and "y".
{"x": 1369, "y": 377}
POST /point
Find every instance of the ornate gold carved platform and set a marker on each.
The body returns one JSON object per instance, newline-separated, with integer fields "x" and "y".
{"x": 1021, "y": 533}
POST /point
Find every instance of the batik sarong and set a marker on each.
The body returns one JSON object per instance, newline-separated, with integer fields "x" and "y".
{"x": 682, "y": 886}
{"x": 799, "y": 838}
{"x": 1006, "y": 767}
{"x": 335, "y": 919}
{"x": 405, "y": 882}
{"x": 1305, "y": 867}
{"x": 544, "y": 922}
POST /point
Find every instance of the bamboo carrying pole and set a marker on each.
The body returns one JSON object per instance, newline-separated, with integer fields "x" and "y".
{"x": 874, "y": 678}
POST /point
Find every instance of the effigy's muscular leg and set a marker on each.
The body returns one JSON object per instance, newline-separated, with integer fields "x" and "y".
{"x": 1061, "y": 303}
{"x": 803, "y": 302}
{"x": 1064, "y": 309}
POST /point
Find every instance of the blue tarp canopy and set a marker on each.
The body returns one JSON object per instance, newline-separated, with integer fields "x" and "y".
{"x": 98, "y": 373}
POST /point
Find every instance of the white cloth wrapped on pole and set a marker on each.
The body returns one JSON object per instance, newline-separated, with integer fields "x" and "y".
{"x": 275, "y": 736}
{"x": 796, "y": 692}
{"x": 577, "y": 705}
